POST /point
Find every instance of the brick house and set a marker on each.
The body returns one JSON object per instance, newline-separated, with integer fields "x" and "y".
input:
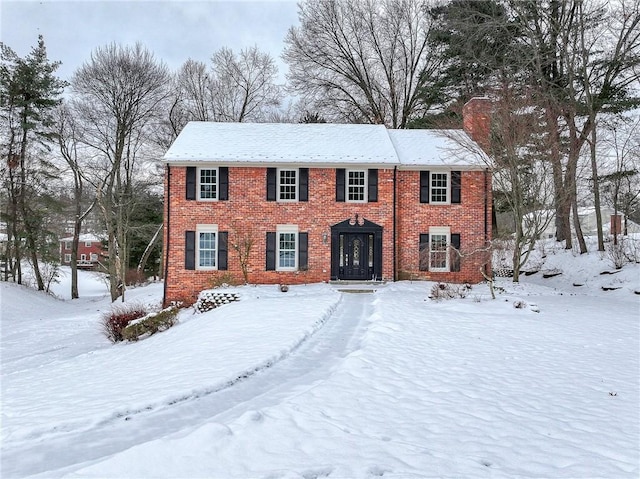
{"x": 324, "y": 202}
{"x": 90, "y": 250}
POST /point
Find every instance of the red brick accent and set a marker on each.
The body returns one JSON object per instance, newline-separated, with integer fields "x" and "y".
{"x": 248, "y": 212}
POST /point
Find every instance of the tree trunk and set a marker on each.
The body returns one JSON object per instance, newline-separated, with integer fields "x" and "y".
{"x": 596, "y": 189}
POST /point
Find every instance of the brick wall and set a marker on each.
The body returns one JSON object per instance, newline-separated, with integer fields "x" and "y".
{"x": 248, "y": 213}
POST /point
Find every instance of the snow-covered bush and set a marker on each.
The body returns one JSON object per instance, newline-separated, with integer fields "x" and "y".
{"x": 115, "y": 320}
{"x": 208, "y": 300}
{"x": 150, "y": 324}
{"x": 449, "y": 291}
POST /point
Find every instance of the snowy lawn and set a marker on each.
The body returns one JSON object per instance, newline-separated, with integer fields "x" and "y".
{"x": 456, "y": 388}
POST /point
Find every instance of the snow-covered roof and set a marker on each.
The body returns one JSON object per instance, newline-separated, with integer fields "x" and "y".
{"x": 319, "y": 144}
{"x": 84, "y": 238}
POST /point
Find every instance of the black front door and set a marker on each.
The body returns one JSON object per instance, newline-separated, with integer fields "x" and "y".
{"x": 356, "y": 259}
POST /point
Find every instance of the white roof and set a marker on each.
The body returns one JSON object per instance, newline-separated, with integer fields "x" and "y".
{"x": 83, "y": 238}
{"x": 317, "y": 143}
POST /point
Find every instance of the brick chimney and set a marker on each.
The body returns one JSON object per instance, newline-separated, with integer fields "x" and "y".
{"x": 476, "y": 121}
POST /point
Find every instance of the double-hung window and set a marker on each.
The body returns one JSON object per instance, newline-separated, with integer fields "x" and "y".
{"x": 439, "y": 239}
{"x": 356, "y": 185}
{"x": 67, "y": 258}
{"x": 287, "y": 185}
{"x": 206, "y": 246}
{"x": 439, "y": 187}
{"x": 208, "y": 184}
{"x": 287, "y": 244}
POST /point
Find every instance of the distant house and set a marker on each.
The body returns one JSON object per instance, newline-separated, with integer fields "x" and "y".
{"x": 324, "y": 202}
{"x": 588, "y": 223}
{"x": 90, "y": 251}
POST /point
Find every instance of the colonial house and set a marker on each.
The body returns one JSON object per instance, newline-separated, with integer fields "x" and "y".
{"x": 90, "y": 251}
{"x": 297, "y": 203}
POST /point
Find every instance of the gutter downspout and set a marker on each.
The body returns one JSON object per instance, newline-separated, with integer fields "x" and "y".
{"x": 168, "y": 235}
{"x": 486, "y": 212}
{"x": 395, "y": 221}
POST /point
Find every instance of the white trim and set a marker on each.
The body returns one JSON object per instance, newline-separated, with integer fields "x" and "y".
{"x": 67, "y": 257}
{"x": 203, "y": 228}
{"x": 364, "y": 189}
{"x": 440, "y": 231}
{"x": 287, "y": 229}
{"x": 296, "y": 185}
{"x": 447, "y": 173}
{"x": 216, "y": 184}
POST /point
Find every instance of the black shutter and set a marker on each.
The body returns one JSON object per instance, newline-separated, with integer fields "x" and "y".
{"x": 303, "y": 251}
{"x": 223, "y": 183}
{"x": 191, "y": 182}
{"x": 455, "y": 255}
{"x": 424, "y": 187}
{"x": 373, "y": 186}
{"x": 456, "y": 184}
{"x": 423, "y": 253}
{"x": 223, "y": 237}
{"x": 303, "y": 184}
{"x": 189, "y": 250}
{"x": 271, "y": 184}
{"x": 340, "y": 185}
{"x": 271, "y": 251}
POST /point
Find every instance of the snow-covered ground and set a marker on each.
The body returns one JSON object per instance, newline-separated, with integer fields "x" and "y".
{"x": 316, "y": 383}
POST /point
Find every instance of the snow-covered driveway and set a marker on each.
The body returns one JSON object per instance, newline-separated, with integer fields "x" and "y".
{"x": 309, "y": 362}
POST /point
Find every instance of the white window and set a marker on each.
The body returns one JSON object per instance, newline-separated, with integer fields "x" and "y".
{"x": 439, "y": 183}
{"x": 287, "y": 185}
{"x": 67, "y": 258}
{"x": 439, "y": 239}
{"x": 67, "y": 245}
{"x": 287, "y": 247}
{"x": 208, "y": 184}
{"x": 356, "y": 186}
{"x": 206, "y": 246}
{"x": 83, "y": 257}
{"x": 87, "y": 244}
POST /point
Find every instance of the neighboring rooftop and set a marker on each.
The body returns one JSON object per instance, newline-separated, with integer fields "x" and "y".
{"x": 318, "y": 143}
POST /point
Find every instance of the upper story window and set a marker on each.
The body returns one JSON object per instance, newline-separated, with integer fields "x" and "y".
{"x": 356, "y": 185}
{"x": 67, "y": 245}
{"x": 287, "y": 185}
{"x": 439, "y": 187}
{"x": 206, "y": 246}
{"x": 87, "y": 244}
{"x": 208, "y": 183}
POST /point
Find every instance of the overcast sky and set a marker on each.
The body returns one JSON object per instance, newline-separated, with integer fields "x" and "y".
{"x": 173, "y": 30}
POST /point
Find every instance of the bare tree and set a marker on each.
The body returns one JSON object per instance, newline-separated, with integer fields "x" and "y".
{"x": 67, "y": 134}
{"x": 119, "y": 92}
{"x": 363, "y": 60}
{"x": 244, "y": 85}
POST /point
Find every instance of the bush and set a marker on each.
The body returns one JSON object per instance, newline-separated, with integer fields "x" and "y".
{"x": 114, "y": 321}
{"x": 449, "y": 291}
{"x": 151, "y": 324}
{"x": 223, "y": 280}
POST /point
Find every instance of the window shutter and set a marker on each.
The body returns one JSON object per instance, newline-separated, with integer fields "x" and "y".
{"x": 271, "y": 251}
{"x": 303, "y": 182}
{"x": 423, "y": 253}
{"x": 223, "y": 255}
{"x": 455, "y": 256}
{"x": 223, "y": 183}
{"x": 424, "y": 187}
{"x": 189, "y": 250}
{"x": 340, "y": 184}
{"x": 456, "y": 186}
{"x": 372, "y": 187}
{"x": 303, "y": 251}
{"x": 271, "y": 184}
{"x": 191, "y": 182}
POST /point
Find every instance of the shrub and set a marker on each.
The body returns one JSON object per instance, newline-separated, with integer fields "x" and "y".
{"x": 223, "y": 280}
{"x": 114, "y": 321}
{"x": 151, "y": 324}
{"x": 449, "y": 291}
